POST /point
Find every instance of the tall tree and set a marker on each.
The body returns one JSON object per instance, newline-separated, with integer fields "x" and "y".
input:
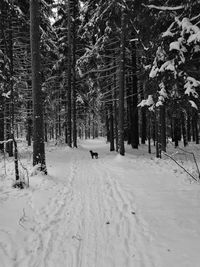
{"x": 69, "y": 88}
{"x": 121, "y": 86}
{"x": 38, "y": 133}
{"x": 74, "y": 90}
{"x": 134, "y": 100}
{"x": 1, "y": 124}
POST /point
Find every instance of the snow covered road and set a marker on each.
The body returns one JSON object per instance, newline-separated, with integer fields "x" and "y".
{"x": 110, "y": 212}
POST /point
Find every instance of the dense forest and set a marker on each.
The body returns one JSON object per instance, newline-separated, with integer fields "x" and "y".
{"x": 124, "y": 69}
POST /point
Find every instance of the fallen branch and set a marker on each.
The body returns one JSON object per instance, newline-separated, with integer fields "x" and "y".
{"x": 180, "y": 165}
{"x": 193, "y": 158}
{"x": 191, "y": 153}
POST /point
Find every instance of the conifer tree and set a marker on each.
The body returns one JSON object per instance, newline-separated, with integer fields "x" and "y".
{"x": 38, "y": 132}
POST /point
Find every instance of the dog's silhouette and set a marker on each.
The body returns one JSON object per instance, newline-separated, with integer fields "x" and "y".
{"x": 94, "y": 154}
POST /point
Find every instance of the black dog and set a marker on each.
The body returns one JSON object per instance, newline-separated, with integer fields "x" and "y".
{"x": 94, "y": 154}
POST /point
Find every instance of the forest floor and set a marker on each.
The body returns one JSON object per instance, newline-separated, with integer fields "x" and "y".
{"x": 132, "y": 211}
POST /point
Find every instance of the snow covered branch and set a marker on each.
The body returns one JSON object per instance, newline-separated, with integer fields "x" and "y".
{"x": 164, "y": 8}
{"x": 7, "y": 141}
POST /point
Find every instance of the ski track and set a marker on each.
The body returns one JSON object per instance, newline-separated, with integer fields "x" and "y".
{"x": 129, "y": 226}
{"x": 90, "y": 222}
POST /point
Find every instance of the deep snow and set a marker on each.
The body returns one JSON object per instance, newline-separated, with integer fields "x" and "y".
{"x": 114, "y": 211}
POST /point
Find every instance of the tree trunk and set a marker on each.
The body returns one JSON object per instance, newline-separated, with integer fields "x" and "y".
{"x": 13, "y": 99}
{"x": 45, "y": 132}
{"x": 149, "y": 132}
{"x": 29, "y": 123}
{"x": 86, "y": 126}
{"x": 115, "y": 112}
{"x": 195, "y": 128}
{"x": 121, "y": 86}
{"x": 163, "y": 128}
{"x": 157, "y": 134}
{"x": 184, "y": 127}
{"x": 38, "y": 133}
{"x": 129, "y": 111}
{"x": 189, "y": 127}
{"x": 74, "y": 76}
{"x": 143, "y": 126}
{"x": 134, "y": 101}
{"x": 107, "y": 126}
{"x": 89, "y": 125}
{"x": 112, "y": 142}
{"x": 93, "y": 126}
{"x": 175, "y": 131}
{"x": 69, "y": 104}
{"x": 11, "y": 102}
{"x": 1, "y": 124}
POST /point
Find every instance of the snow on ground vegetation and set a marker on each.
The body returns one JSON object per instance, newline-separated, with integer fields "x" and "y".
{"x": 132, "y": 211}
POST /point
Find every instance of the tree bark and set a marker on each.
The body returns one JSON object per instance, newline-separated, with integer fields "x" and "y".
{"x": 134, "y": 102}
{"x": 149, "y": 132}
{"x": 13, "y": 99}
{"x": 29, "y": 123}
{"x": 175, "y": 130}
{"x": 115, "y": 112}
{"x": 112, "y": 142}
{"x": 184, "y": 127}
{"x": 107, "y": 126}
{"x": 69, "y": 102}
{"x": 11, "y": 102}
{"x": 189, "y": 126}
{"x": 163, "y": 128}
{"x": 121, "y": 86}
{"x": 157, "y": 133}
{"x": 143, "y": 126}
{"x": 195, "y": 128}
{"x": 74, "y": 76}
{"x": 38, "y": 133}
{"x": 1, "y": 123}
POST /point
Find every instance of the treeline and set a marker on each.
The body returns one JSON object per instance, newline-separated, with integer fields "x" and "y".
{"x": 144, "y": 57}
{"x": 125, "y": 69}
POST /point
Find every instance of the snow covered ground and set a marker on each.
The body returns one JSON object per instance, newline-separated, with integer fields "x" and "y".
{"x": 132, "y": 211}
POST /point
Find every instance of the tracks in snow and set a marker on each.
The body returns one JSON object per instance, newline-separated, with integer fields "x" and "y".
{"x": 90, "y": 222}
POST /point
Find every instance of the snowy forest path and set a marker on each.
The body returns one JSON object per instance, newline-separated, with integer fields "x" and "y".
{"x": 114, "y": 211}
{"x": 89, "y": 221}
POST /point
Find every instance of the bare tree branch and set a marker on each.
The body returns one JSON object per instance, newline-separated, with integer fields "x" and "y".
{"x": 180, "y": 166}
